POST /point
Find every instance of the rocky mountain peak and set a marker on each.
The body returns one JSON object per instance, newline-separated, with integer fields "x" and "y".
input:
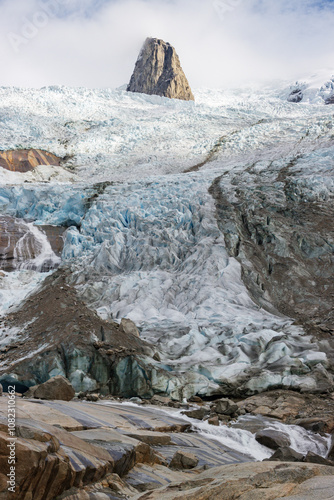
{"x": 158, "y": 71}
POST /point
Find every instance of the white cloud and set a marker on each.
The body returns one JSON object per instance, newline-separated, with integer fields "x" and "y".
{"x": 95, "y": 43}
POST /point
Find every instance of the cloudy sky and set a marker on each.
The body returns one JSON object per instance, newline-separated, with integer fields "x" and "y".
{"x": 95, "y": 43}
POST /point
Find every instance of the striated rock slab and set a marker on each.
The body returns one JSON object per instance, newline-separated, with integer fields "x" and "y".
{"x": 158, "y": 71}
{"x": 24, "y": 160}
{"x": 78, "y": 450}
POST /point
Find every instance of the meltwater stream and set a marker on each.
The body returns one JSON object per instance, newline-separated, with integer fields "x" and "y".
{"x": 33, "y": 250}
{"x": 236, "y": 436}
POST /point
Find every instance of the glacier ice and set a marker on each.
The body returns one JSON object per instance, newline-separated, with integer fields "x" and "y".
{"x": 142, "y": 238}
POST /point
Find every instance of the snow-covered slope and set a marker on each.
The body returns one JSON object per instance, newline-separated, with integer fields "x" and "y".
{"x": 144, "y": 242}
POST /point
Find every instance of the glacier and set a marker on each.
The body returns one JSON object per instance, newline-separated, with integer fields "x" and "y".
{"x": 142, "y": 237}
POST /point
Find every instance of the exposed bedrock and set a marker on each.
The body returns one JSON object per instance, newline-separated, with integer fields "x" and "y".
{"x": 26, "y": 246}
{"x": 278, "y": 222}
{"x": 158, "y": 71}
{"x": 24, "y": 160}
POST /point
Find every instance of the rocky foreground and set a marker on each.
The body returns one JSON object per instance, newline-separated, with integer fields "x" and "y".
{"x": 109, "y": 450}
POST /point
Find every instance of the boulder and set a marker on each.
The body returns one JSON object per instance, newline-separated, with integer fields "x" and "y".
{"x": 92, "y": 397}
{"x": 198, "y": 414}
{"x": 195, "y": 399}
{"x": 286, "y": 454}
{"x": 225, "y": 406}
{"x": 128, "y": 326}
{"x": 54, "y": 388}
{"x": 182, "y": 460}
{"x": 313, "y": 458}
{"x": 1, "y": 390}
{"x": 213, "y": 420}
{"x": 272, "y": 439}
{"x": 158, "y": 71}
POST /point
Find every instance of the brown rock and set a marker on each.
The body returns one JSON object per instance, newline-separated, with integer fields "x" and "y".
{"x": 24, "y": 160}
{"x": 152, "y": 438}
{"x": 250, "y": 481}
{"x": 54, "y": 388}
{"x": 311, "y": 411}
{"x": 198, "y": 414}
{"x": 213, "y": 420}
{"x": 195, "y": 399}
{"x": 13, "y": 255}
{"x": 158, "y": 71}
{"x": 160, "y": 400}
{"x": 182, "y": 460}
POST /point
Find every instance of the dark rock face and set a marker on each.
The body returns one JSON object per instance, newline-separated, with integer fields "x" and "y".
{"x": 158, "y": 71}
{"x": 55, "y": 388}
{"x": 286, "y": 454}
{"x": 296, "y": 96}
{"x": 272, "y": 439}
{"x": 24, "y": 160}
{"x": 330, "y": 100}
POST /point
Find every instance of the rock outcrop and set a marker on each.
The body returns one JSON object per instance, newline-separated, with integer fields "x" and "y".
{"x": 24, "y": 160}
{"x": 21, "y": 243}
{"x": 158, "y": 71}
{"x": 296, "y": 95}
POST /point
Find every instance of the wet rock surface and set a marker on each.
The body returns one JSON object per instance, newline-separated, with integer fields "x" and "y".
{"x": 311, "y": 412}
{"x": 21, "y": 243}
{"x": 73, "y": 448}
{"x": 24, "y": 160}
{"x": 158, "y": 71}
{"x": 272, "y": 439}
